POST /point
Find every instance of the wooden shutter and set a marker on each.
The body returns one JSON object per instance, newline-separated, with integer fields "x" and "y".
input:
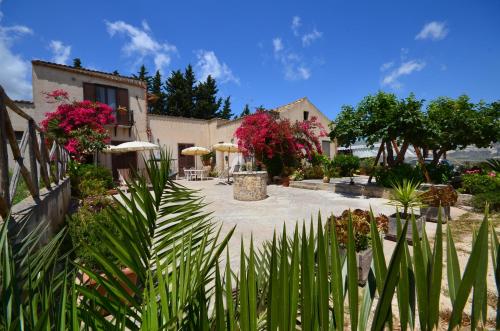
{"x": 122, "y": 98}
{"x": 88, "y": 91}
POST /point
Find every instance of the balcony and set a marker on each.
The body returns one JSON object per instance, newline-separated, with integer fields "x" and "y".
{"x": 124, "y": 118}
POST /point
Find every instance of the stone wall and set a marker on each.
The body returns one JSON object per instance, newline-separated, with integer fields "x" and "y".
{"x": 50, "y": 209}
{"x": 250, "y": 186}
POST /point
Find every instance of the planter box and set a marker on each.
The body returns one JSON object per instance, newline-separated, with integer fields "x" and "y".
{"x": 392, "y": 233}
{"x": 431, "y": 213}
{"x": 364, "y": 261}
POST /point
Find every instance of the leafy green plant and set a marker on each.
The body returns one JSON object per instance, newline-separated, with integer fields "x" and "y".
{"x": 405, "y": 195}
{"x": 386, "y": 176}
{"x": 346, "y": 163}
{"x": 91, "y": 187}
{"x": 366, "y": 166}
{"x": 84, "y": 227}
{"x": 313, "y": 172}
{"x": 298, "y": 175}
{"x": 440, "y": 173}
{"x": 493, "y": 164}
{"x": 490, "y": 198}
{"x": 478, "y": 183}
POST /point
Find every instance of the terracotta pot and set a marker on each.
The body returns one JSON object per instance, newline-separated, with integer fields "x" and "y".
{"x": 392, "y": 233}
{"x": 326, "y": 179}
{"x": 90, "y": 283}
{"x": 206, "y": 162}
{"x": 285, "y": 181}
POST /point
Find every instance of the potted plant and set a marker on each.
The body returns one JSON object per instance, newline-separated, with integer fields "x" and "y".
{"x": 207, "y": 159}
{"x": 285, "y": 176}
{"x": 297, "y": 175}
{"x": 405, "y": 196}
{"x": 327, "y": 166}
{"x": 361, "y": 226}
{"x": 438, "y": 199}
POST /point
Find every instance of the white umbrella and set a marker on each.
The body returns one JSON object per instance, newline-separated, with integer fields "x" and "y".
{"x": 195, "y": 150}
{"x": 229, "y": 148}
{"x": 131, "y": 146}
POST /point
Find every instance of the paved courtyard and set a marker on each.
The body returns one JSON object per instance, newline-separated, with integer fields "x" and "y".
{"x": 284, "y": 205}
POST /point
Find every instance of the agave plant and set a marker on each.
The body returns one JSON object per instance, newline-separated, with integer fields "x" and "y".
{"x": 493, "y": 164}
{"x": 296, "y": 281}
{"x": 405, "y": 195}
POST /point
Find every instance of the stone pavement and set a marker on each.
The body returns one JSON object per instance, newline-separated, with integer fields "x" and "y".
{"x": 284, "y": 205}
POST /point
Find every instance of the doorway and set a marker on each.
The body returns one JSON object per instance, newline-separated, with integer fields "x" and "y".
{"x": 185, "y": 161}
{"x": 123, "y": 161}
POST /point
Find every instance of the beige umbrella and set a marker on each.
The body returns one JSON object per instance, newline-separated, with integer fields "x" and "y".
{"x": 131, "y": 146}
{"x": 229, "y": 148}
{"x": 195, "y": 150}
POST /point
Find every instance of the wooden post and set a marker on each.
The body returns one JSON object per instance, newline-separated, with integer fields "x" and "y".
{"x": 4, "y": 163}
{"x": 376, "y": 160}
{"x": 32, "y": 155}
{"x": 44, "y": 171}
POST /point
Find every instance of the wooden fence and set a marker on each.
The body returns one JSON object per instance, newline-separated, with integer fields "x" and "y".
{"x": 43, "y": 166}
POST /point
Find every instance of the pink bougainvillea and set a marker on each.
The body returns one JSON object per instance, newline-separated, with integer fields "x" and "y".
{"x": 78, "y": 125}
{"x": 267, "y": 138}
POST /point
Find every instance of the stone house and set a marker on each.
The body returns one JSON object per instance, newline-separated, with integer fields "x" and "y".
{"x": 130, "y": 94}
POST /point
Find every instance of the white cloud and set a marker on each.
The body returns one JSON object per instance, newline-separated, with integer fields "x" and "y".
{"x": 405, "y": 69}
{"x": 209, "y": 64}
{"x": 142, "y": 43}
{"x": 386, "y": 66}
{"x": 296, "y": 24}
{"x": 277, "y": 45}
{"x": 60, "y": 51}
{"x": 308, "y": 38}
{"x": 433, "y": 30}
{"x": 14, "y": 75}
{"x": 293, "y": 66}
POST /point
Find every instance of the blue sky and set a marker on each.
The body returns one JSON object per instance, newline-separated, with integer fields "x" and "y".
{"x": 268, "y": 52}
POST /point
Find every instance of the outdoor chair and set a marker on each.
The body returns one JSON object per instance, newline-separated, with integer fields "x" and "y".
{"x": 187, "y": 174}
{"x": 223, "y": 176}
{"x": 206, "y": 172}
{"x": 123, "y": 177}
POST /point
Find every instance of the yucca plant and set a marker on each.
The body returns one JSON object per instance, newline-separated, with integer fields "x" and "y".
{"x": 295, "y": 281}
{"x": 405, "y": 195}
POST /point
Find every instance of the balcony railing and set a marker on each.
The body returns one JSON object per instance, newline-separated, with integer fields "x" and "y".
{"x": 125, "y": 118}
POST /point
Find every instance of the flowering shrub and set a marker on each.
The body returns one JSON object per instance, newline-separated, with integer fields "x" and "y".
{"x": 78, "y": 125}
{"x": 278, "y": 143}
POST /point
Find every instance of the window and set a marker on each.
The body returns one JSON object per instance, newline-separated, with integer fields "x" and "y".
{"x": 325, "y": 146}
{"x": 107, "y": 95}
{"x": 306, "y": 115}
{"x": 112, "y": 96}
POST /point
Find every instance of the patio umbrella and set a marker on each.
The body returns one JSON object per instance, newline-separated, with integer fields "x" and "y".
{"x": 229, "y": 148}
{"x": 195, "y": 150}
{"x": 131, "y": 146}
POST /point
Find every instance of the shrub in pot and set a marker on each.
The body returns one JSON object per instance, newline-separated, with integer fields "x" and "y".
{"x": 361, "y": 226}
{"x": 207, "y": 159}
{"x": 405, "y": 197}
{"x": 438, "y": 199}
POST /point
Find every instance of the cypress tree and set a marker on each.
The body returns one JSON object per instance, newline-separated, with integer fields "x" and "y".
{"x": 226, "y": 109}
{"x": 246, "y": 111}
{"x": 77, "y": 63}
{"x": 157, "y": 106}
{"x": 207, "y": 104}
{"x": 143, "y": 75}
{"x": 174, "y": 87}
{"x": 188, "y": 93}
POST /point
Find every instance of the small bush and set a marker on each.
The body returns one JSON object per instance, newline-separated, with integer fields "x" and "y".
{"x": 313, "y": 172}
{"x": 386, "y": 176}
{"x": 366, "y": 166}
{"x": 297, "y": 175}
{"x": 91, "y": 187}
{"x": 478, "y": 183}
{"x": 492, "y": 198}
{"x": 346, "y": 163}
{"x": 84, "y": 227}
{"x": 440, "y": 174}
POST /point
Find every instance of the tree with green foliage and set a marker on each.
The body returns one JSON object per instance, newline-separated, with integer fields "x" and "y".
{"x": 157, "y": 106}
{"x": 347, "y": 127}
{"x": 143, "y": 75}
{"x": 458, "y": 123}
{"x": 226, "y": 113}
{"x": 207, "y": 104}
{"x": 77, "y": 63}
{"x": 174, "y": 87}
{"x": 246, "y": 111}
